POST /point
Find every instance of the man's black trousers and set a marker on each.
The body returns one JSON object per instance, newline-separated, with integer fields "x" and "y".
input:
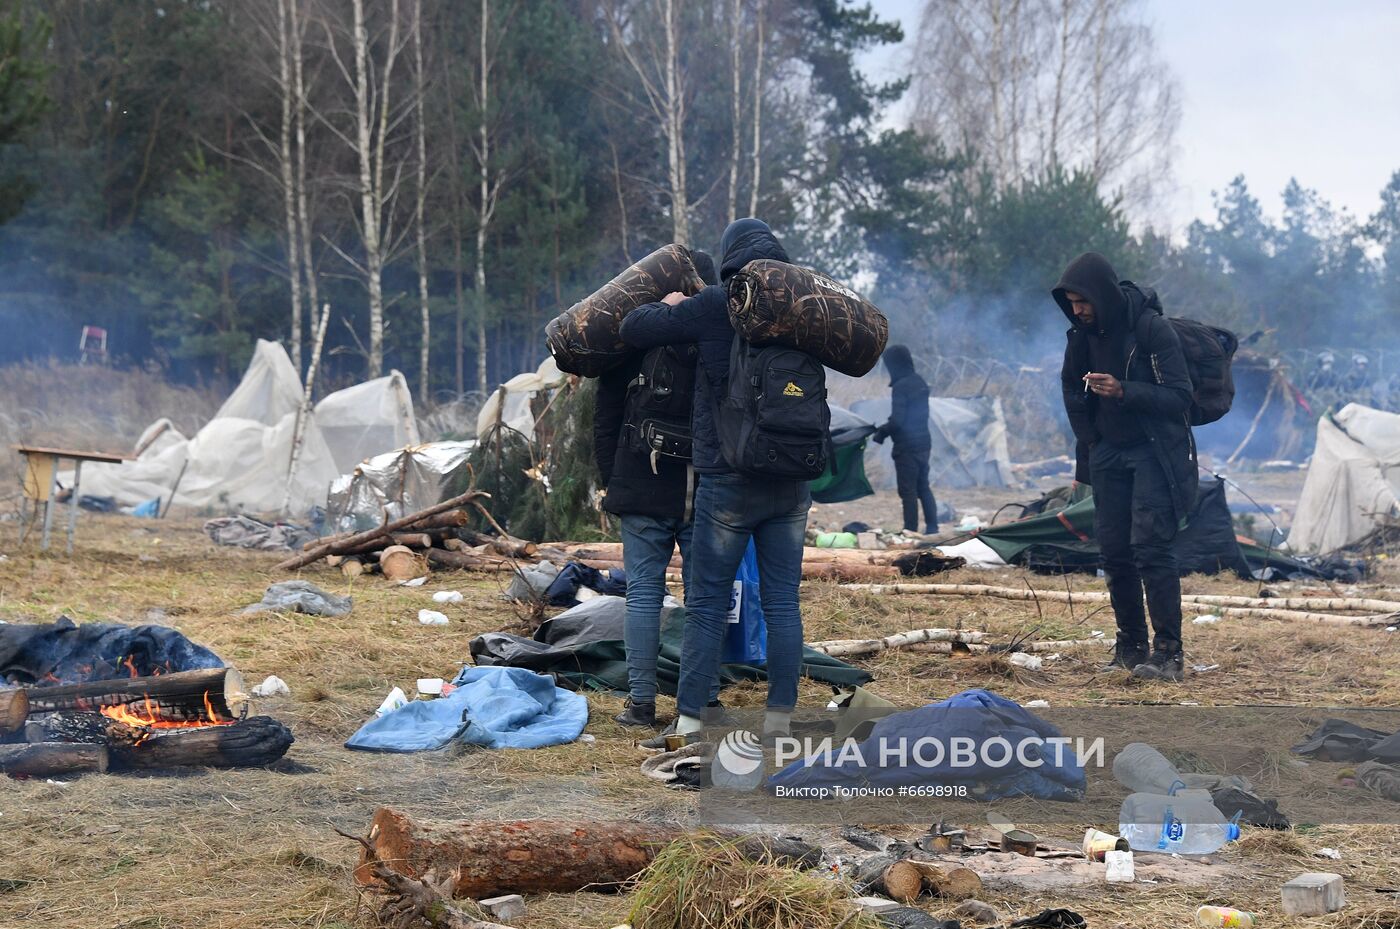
{"x": 911, "y": 480}
{"x": 1135, "y": 523}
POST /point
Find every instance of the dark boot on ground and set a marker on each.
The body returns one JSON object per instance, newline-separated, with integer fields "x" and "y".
{"x": 658, "y": 741}
{"x": 1126, "y": 656}
{"x": 1164, "y": 664}
{"x": 640, "y": 715}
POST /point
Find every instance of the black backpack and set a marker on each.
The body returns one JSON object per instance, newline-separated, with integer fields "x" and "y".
{"x": 773, "y": 419}
{"x": 657, "y": 409}
{"x": 1209, "y": 350}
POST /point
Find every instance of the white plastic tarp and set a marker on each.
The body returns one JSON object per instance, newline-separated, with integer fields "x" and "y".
{"x": 509, "y": 406}
{"x": 395, "y": 484}
{"x": 969, "y": 443}
{"x": 367, "y": 419}
{"x": 1353, "y": 479}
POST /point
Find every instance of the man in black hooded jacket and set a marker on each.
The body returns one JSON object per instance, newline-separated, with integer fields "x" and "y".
{"x": 731, "y": 509}
{"x": 1128, "y": 393}
{"x": 908, "y": 426}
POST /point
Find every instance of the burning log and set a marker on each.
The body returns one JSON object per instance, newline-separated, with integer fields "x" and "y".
{"x": 44, "y": 759}
{"x": 254, "y": 742}
{"x": 487, "y": 859}
{"x": 14, "y": 709}
{"x": 346, "y": 544}
{"x": 183, "y": 695}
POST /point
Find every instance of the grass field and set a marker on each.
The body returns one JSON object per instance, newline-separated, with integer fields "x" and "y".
{"x": 257, "y": 848}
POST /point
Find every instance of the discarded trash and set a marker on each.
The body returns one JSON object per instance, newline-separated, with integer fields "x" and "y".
{"x": 1097, "y": 843}
{"x": 970, "y": 523}
{"x": 977, "y": 912}
{"x": 396, "y": 699}
{"x": 587, "y": 739}
{"x": 1185, "y": 824}
{"x": 837, "y": 540}
{"x": 1314, "y": 894}
{"x": 1206, "y": 620}
{"x": 272, "y": 686}
{"x": 301, "y": 597}
{"x": 1328, "y": 853}
{"x": 1118, "y": 867}
{"x": 1027, "y": 661}
{"x": 1096, "y": 634}
{"x": 1019, "y": 841}
{"x": 432, "y": 618}
{"x": 1038, "y": 703}
{"x": 507, "y": 908}
{"x": 1204, "y": 668}
{"x": 1223, "y": 916}
{"x": 1052, "y": 919}
{"x": 429, "y": 688}
{"x": 447, "y": 596}
{"x": 416, "y": 582}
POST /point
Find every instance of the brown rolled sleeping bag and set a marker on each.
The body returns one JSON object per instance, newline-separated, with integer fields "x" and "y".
{"x": 773, "y": 302}
{"x": 584, "y": 338}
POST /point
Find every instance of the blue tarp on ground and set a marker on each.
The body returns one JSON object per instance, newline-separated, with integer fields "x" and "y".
{"x": 493, "y": 707}
{"x": 975, "y": 715}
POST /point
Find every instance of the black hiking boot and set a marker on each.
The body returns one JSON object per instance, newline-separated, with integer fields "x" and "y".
{"x": 1126, "y": 656}
{"x": 640, "y": 715}
{"x": 1162, "y": 665}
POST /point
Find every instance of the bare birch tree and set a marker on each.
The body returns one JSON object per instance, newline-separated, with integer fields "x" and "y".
{"x": 757, "y": 110}
{"x": 421, "y": 137}
{"x": 736, "y": 109}
{"x": 287, "y": 91}
{"x": 490, "y": 179}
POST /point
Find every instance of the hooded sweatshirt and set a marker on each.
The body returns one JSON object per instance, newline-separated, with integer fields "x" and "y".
{"x": 704, "y": 321}
{"x": 1090, "y": 275}
{"x": 908, "y": 422}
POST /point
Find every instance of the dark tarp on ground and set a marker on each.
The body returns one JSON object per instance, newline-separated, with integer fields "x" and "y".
{"x": 65, "y": 652}
{"x": 583, "y": 648}
{"x": 845, "y": 477}
{"x": 1062, "y": 540}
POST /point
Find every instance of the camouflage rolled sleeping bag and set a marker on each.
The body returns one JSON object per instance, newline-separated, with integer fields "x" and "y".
{"x": 584, "y": 338}
{"x": 775, "y": 303}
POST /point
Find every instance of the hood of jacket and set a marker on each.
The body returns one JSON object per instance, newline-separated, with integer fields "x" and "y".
{"x": 704, "y": 266}
{"x": 746, "y": 240}
{"x": 1090, "y": 275}
{"x": 898, "y": 361}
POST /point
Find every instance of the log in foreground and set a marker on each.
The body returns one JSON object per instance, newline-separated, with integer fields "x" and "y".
{"x": 45, "y": 759}
{"x": 14, "y": 709}
{"x": 254, "y": 742}
{"x": 487, "y": 858}
{"x": 180, "y": 695}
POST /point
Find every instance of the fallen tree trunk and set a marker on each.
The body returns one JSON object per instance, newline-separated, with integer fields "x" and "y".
{"x": 1323, "y": 604}
{"x": 181, "y": 695}
{"x": 341, "y": 546}
{"x": 468, "y": 561}
{"x": 14, "y": 709}
{"x": 1096, "y": 597}
{"x": 254, "y": 742}
{"x": 846, "y": 572}
{"x": 44, "y": 759}
{"x": 487, "y": 859}
{"x": 842, "y": 648}
{"x": 509, "y": 546}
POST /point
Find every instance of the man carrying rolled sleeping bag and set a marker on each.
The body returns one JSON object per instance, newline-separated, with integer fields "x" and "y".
{"x": 584, "y": 338}
{"x": 642, "y": 445}
{"x": 776, "y": 397}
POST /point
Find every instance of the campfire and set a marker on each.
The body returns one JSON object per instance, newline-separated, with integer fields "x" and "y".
{"x": 158, "y": 720}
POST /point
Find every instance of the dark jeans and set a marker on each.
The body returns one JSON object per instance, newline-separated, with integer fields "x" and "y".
{"x": 1135, "y": 523}
{"x": 647, "y": 545}
{"x": 729, "y": 509}
{"x": 911, "y": 479}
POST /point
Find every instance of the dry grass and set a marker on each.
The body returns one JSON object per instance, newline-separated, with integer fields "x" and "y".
{"x": 234, "y": 849}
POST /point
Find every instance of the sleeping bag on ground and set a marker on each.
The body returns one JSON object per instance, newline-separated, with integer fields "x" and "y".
{"x": 775, "y": 303}
{"x": 584, "y": 338}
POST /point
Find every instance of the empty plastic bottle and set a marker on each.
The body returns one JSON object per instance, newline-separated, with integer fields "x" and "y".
{"x": 1185, "y": 824}
{"x": 1223, "y": 916}
{"x": 1141, "y": 768}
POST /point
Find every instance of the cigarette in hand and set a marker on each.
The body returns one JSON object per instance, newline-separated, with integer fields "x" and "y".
{"x": 1086, "y": 383}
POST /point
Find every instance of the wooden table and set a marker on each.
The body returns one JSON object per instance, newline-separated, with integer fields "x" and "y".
{"x": 41, "y": 482}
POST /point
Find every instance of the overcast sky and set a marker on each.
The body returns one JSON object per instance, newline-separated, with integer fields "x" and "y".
{"x": 1271, "y": 89}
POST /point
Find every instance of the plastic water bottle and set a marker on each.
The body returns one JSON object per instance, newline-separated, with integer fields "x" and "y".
{"x": 1223, "y": 916}
{"x": 1141, "y": 768}
{"x": 1184, "y": 824}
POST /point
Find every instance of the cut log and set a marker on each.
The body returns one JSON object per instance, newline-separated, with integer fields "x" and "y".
{"x": 487, "y": 859}
{"x": 181, "y": 695}
{"x": 336, "y": 547}
{"x": 901, "y": 881}
{"x": 468, "y": 561}
{"x": 399, "y": 563}
{"x": 508, "y": 546}
{"x": 44, "y": 759}
{"x": 14, "y": 708}
{"x": 352, "y": 566}
{"x": 254, "y": 742}
{"x": 953, "y": 883}
{"x": 849, "y": 647}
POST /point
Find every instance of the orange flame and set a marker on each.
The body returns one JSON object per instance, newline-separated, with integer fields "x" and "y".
{"x": 151, "y": 717}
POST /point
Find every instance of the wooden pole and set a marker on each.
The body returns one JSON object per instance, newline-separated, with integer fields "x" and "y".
{"x": 304, "y": 413}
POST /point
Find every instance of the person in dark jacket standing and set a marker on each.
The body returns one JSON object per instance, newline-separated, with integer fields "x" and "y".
{"x": 1128, "y": 394}
{"x": 908, "y": 427}
{"x": 730, "y": 508}
{"x": 652, "y": 495}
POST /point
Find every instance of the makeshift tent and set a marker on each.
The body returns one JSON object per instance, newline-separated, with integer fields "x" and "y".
{"x": 239, "y": 460}
{"x": 367, "y": 419}
{"x": 1353, "y": 483}
{"x": 845, "y": 477}
{"x": 969, "y": 443}
{"x": 510, "y": 405}
{"x": 396, "y": 483}
{"x": 1061, "y": 539}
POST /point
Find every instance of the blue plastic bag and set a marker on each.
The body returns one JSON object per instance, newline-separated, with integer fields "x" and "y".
{"x": 746, "y": 635}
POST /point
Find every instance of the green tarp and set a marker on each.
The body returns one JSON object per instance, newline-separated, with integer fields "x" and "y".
{"x": 845, "y": 476}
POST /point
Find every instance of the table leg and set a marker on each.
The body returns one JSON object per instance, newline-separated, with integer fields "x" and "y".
{"x": 73, "y": 501}
{"x": 48, "y": 507}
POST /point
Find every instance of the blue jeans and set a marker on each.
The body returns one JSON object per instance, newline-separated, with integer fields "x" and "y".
{"x": 729, "y": 509}
{"x": 647, "y": 544}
